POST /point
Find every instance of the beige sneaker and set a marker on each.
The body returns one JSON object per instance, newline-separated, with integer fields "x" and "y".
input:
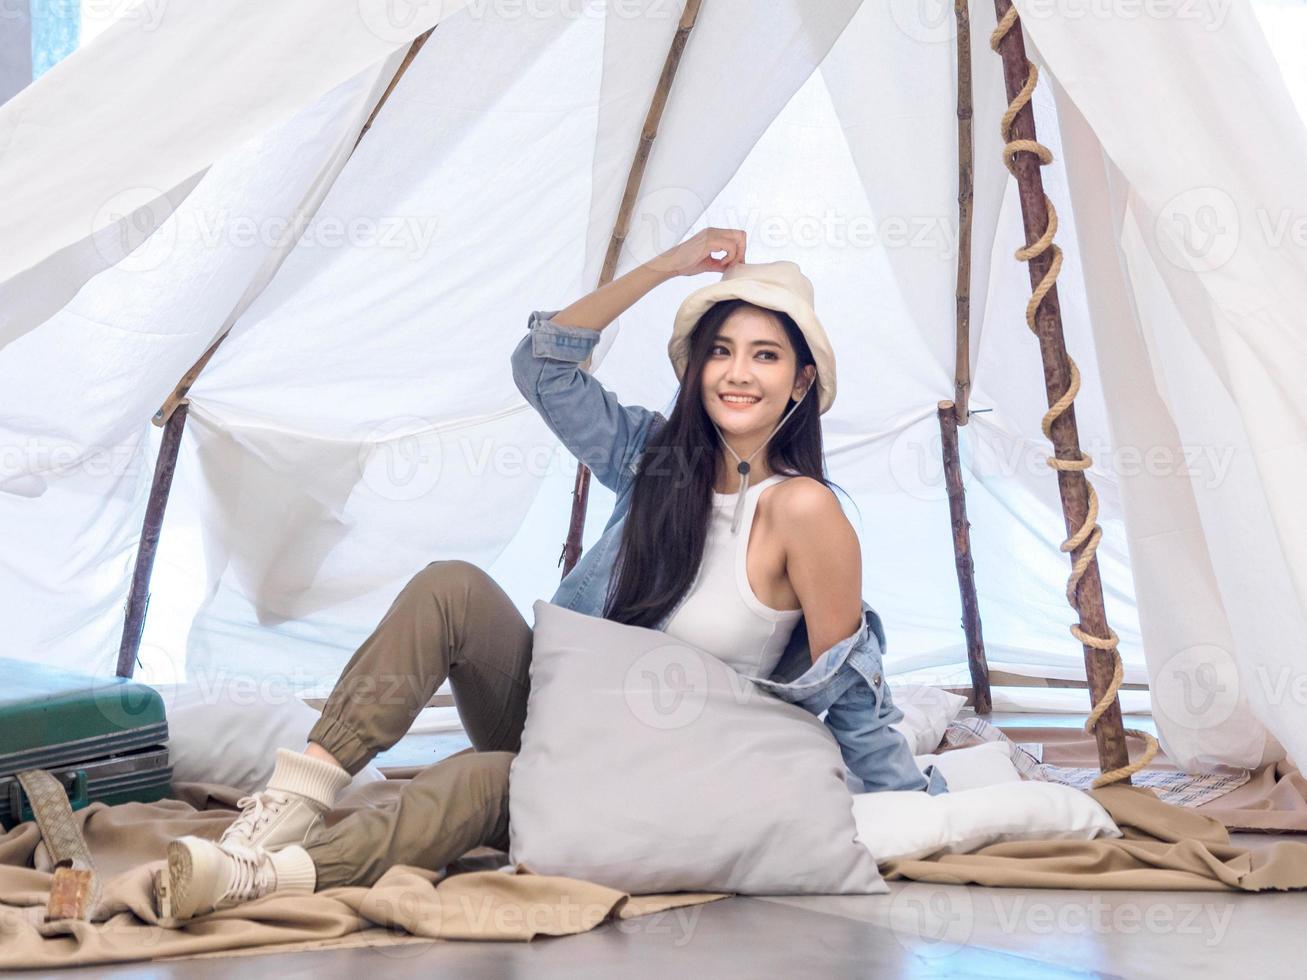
{"x": 299, "y": 794}
{"x": 203, "y": 877}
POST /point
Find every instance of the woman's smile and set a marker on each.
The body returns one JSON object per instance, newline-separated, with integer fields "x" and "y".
{"x": 739, "y": 402}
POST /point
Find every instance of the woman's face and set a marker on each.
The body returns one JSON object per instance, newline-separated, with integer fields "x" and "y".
{"x": 751, "y": 357}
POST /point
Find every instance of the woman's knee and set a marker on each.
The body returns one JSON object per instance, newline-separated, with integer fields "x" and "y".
{"x": 483, "y": 774}
{"x": 452, "y": 573}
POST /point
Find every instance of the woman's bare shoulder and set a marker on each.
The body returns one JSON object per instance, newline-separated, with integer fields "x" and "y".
{"x": 805, "y": 497}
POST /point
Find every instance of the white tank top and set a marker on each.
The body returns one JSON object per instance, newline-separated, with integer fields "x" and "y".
{"x": 720, "y": 613}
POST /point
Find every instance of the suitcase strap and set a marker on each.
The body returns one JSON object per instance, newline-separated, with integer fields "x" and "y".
{"x": 75, "y": 892}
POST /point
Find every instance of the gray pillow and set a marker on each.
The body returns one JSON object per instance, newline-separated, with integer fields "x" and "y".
{"x": 648, "y": 765}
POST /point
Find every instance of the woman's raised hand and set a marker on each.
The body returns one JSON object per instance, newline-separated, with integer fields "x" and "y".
{"x": 694, "y": 255}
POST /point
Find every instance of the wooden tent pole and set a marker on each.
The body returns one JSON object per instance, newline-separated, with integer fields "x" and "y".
{"x": 953, "y": 414}
{"x": 1024, "y": 156}
{"x": 966, "y": 183}
{"x": 171, "y": 417}
{"x": 581, "y": 488}
{"x": 957, "y": 505}
{"x": 164, "y": 467}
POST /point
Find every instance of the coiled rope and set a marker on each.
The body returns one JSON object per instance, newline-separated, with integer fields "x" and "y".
{"x": 1089, "y": 532}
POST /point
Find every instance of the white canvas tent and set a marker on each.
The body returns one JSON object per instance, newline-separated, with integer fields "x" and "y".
{"x": 360, "y": 420}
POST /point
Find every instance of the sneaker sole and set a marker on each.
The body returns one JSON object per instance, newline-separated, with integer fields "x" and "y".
{"x": 182, "y": 872}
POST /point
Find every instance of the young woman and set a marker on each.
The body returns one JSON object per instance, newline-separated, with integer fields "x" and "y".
{"x": 724, "y": 534}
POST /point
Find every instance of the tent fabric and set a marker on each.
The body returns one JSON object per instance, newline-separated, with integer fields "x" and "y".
{"x": 1217, "y": 301}
{"x": 360, "y": 420}
{"x": 237, "y": 84}
{"x": 75, "y": 473}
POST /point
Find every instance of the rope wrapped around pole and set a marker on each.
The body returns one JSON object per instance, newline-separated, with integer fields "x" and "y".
{"x": 1114, "y": 763}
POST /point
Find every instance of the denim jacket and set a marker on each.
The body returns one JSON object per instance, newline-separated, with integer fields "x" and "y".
{"x": 847, "y": 681}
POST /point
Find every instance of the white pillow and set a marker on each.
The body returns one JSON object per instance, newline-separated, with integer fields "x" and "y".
{"x": 648, "y": 765}
{"x": 974, "y": 766}
{"x": 927, "y": 712}
{"x": 227, "y": 734}
{"x": 970, "y": 768}
{"x": 896, "y": 825}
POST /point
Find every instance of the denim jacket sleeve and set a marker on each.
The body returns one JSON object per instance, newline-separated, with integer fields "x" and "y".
{"x": 848, "y": 682}
{"x": 585, "y": 416}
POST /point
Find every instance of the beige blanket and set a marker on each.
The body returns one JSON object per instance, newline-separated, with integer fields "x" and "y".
{"x": 1164, "y": 848}
{"x": 1274, "y": 800}
{"x": 128, "y": 843}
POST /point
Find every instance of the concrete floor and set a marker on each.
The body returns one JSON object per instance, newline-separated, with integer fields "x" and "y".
{"x": 918, "y": 930}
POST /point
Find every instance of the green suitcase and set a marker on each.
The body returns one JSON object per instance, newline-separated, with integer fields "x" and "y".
{"x": 104, "y": 738}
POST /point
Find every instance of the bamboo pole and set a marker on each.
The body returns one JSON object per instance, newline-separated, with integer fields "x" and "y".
{"x": 957, "y": 505}
{"x": 958, "y": 411}
{"x": 581, "y": 488}
{"x": 139, "y": 597}
{"x": 1100, "y": 664}
{"x": 966, "y": 182}
{"x": 171, "y": 416}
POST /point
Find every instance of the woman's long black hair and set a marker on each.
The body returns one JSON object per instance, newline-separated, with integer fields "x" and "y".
{"x": 671, "y": 500}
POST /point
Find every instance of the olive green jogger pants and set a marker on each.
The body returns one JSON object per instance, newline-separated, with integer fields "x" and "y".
{"x": 451, "y": 620}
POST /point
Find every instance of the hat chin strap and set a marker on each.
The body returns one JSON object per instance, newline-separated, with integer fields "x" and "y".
{"x": 742, "y": 465}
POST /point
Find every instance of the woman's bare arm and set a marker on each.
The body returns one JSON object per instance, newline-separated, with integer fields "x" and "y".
{"x": 598, "y": 309}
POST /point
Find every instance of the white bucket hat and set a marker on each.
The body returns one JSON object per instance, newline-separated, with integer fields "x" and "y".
{"x": 773, "y": 286}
